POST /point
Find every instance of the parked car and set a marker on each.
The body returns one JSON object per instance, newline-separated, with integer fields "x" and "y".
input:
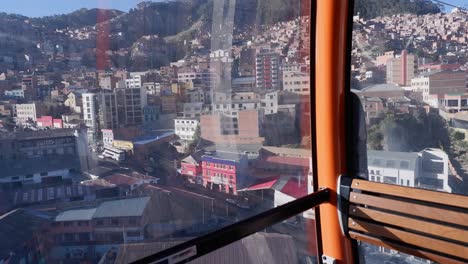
{"x": 231, "y": 201}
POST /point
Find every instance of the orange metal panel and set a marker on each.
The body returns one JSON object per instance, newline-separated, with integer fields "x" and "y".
{"x": 331, "y": 34}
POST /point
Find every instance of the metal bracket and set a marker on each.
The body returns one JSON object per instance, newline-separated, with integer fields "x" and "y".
{"x": 343, "y": 192}
{"x": 328, "y": 260}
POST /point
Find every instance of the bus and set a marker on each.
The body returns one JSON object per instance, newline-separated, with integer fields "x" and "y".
{"x": 114, "y": 153}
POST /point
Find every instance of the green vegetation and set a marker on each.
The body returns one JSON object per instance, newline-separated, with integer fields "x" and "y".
{"x": 458, "y": 146}
{"x": 408, "y": 132}
{"x": 374, "y": 8}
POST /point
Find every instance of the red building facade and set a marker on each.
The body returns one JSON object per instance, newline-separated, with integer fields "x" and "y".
{"x": 223, "y": 171}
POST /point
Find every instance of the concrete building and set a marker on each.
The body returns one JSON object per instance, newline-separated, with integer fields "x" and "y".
{"x": 435, "y": 84}
{"x": 130, "y": 103}
{"x": 108, "y": 82}
{"x": 381, "y": 90}
{"x": 17, "y": 93}
{"x": 136, "y": 81}
{"x": 41, "y": 156}
{"x": 382, "y": 59}
{"x": 168, "y": 104}
{"x": 74, "y": 101}
{"x": 426, "y": 169}
{"x": 186, "y": 128}
{"x": 296, "y": 82}
{"x": 244, "y": 84}
{"x": 100, "y": 111}
{"x": 243, "y": 128}
{"x": 193, "y": 110}
{"x": 401, "y": 70}
{"x": 373, "y": 108}
{"x": 267, "y": 70}
{"x": 111, "y": 222}
{"x": 152, "y": 88}
{"x": 28, "y": 112}
{"x": 453, "y": 103}
{"x": 151, "y": 114}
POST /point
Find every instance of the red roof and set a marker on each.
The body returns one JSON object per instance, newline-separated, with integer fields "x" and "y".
{"x": 294, "y": 189}
{"x": 264, "y": 184}
{"x": 291, "y": 187}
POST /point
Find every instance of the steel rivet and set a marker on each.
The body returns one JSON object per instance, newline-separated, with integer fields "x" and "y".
{"x": 357, "y": 183}
{"x": 354, "y": 196}
{"x": 354, "y": 210}
{"x": 354, "y": 223}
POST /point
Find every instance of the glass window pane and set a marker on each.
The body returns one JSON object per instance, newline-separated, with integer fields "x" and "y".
{"x": 130, "y": 122}
{"x": 409, "y": 72}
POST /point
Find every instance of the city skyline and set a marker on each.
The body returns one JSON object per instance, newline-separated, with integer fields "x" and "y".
{"x": 57, "y": 7}
{"x": 33, "y": 8}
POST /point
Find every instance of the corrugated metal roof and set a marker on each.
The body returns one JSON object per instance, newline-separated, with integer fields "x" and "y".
{"x": 122, "y": 208}
{"x": 381, "y": 88}
{"x": 269, "y": 248}
{"x": 76, "y": 215}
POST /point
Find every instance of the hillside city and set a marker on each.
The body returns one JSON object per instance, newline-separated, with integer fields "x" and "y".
{"x": 110, "y": 152}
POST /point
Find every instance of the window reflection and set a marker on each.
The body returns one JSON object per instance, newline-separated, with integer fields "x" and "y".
{"x": 140, "y": 128}
{"x": 409, "y": 68}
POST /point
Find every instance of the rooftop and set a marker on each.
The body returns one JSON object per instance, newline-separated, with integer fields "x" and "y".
{"x": 122, "y": 208}
{"x": 220, "y": 155}
{"x": 257, "y": 248}
{"x": 384, "y": 87}
{"x": 76, "y": 215}
{"x": 289, "y": 152}
{"x": 39, "y": 134}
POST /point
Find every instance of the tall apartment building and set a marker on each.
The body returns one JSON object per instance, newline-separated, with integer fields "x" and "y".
{"x": 401, "y": 70}
{"x": 130, "y": 103}
{"x": 267, "y": 70}
{"x": 435, "y": 84}
{"x": 99, "y": 112}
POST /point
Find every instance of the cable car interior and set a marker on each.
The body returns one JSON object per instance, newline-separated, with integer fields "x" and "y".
{"x": 377, "y": 171}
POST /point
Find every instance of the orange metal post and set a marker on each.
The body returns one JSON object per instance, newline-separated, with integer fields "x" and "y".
{"x": 331, "y": 34}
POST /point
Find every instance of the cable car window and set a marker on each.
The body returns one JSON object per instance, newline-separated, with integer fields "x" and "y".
{"x": 409, "y": 69}
{"x": 110, "y": 117}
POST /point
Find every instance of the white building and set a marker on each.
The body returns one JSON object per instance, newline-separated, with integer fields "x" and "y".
{"x": 107, "y": 137}
{"x": 186, "y": 128}
{"x": 134, "y": 82}
{"x": 17, "y": 93}
{"x": 90, "y": 114}
{"x": 296, "y": 82}
{"x": 25, "y": 112}
{"x": 152, "y": 88}
{"x": 426, "y": 169}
